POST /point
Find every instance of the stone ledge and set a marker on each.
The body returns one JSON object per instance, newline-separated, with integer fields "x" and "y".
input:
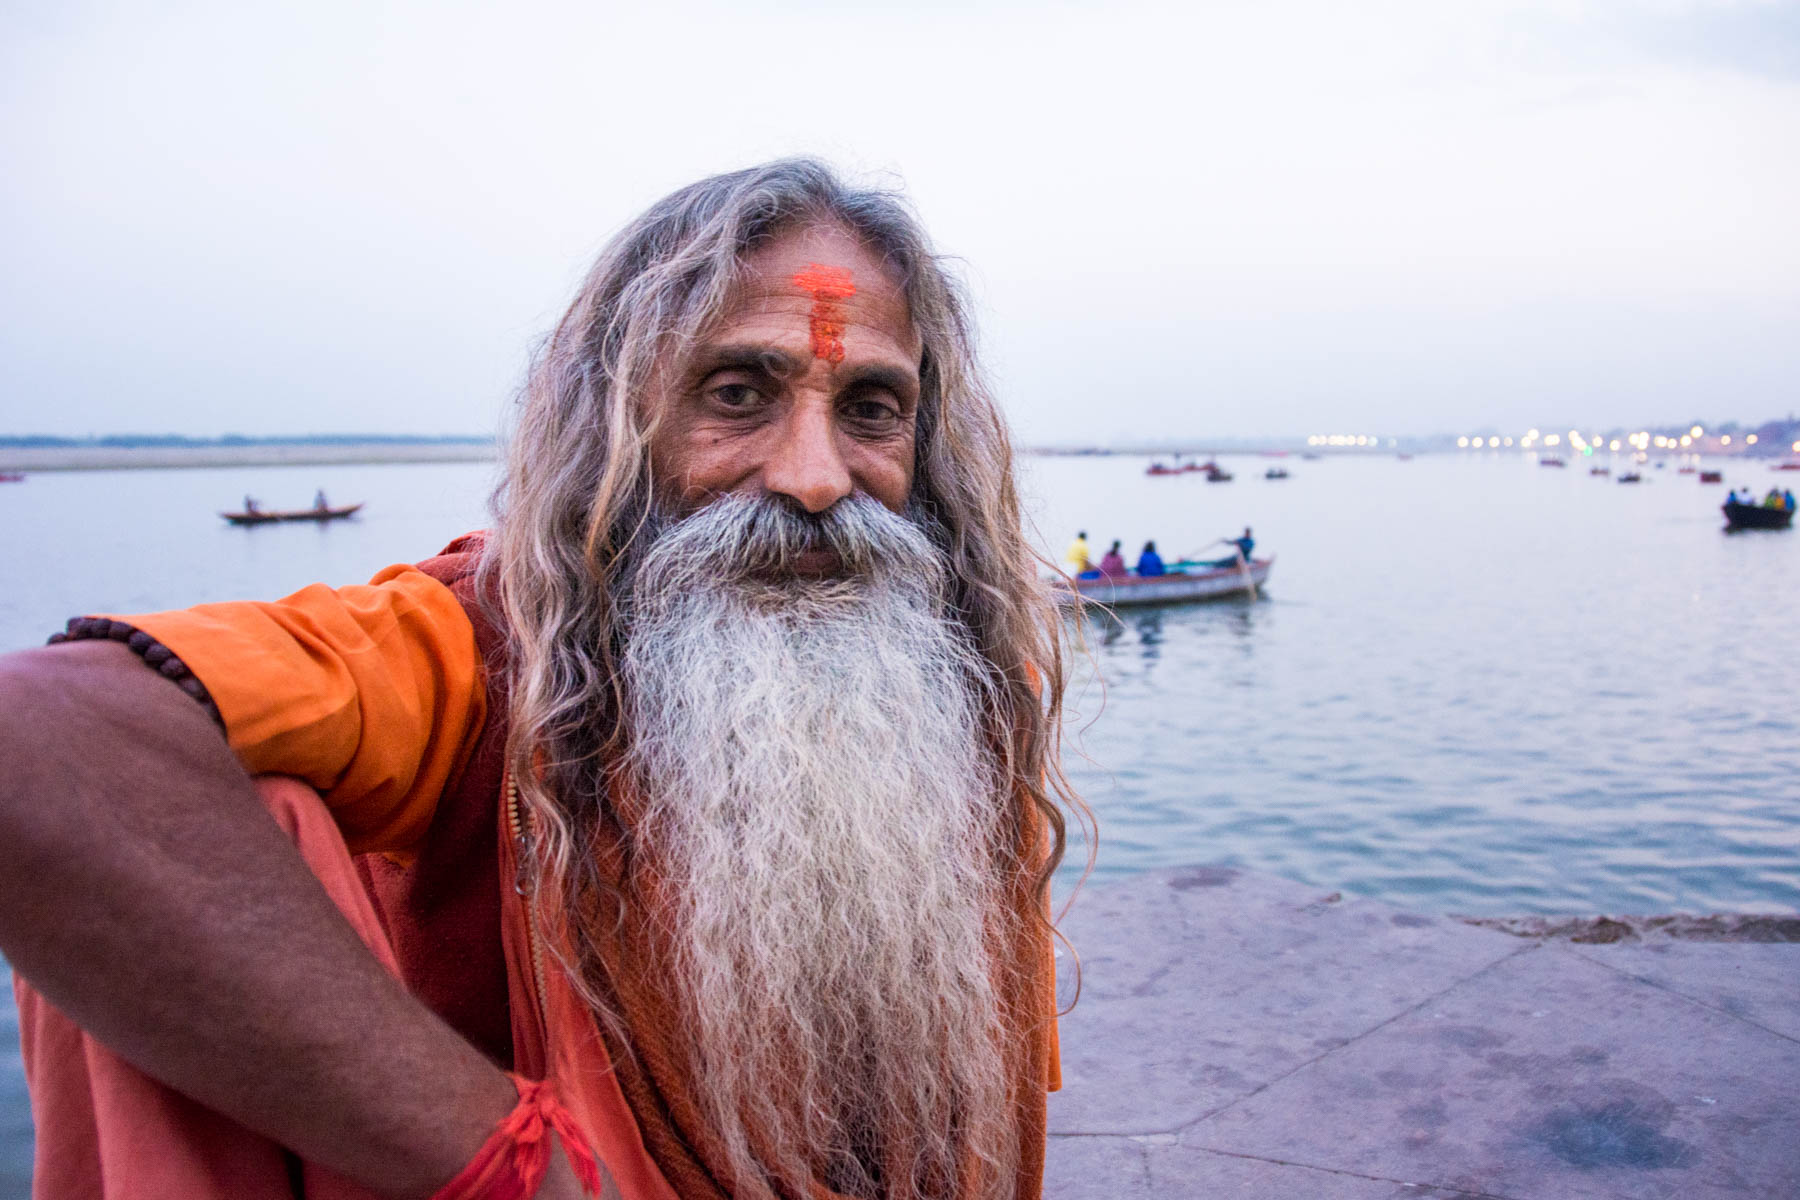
{"x": 1241, "y": 1035}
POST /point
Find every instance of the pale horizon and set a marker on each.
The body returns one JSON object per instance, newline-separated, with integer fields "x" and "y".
{"x": 1251, "y": 220}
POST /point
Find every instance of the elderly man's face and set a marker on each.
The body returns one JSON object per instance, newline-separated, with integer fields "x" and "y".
{"x": 809, "y": 387}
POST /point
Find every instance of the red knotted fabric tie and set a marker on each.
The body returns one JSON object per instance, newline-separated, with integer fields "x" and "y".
{"x": 512, "y": 1163}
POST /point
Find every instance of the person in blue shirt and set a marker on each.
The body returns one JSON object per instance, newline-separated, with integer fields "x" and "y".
{"x": 1149, "y": 561}
{"x": 1245, "y": 544}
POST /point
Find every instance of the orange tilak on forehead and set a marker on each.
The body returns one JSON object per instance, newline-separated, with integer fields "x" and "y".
{"x": 827, "y": 286}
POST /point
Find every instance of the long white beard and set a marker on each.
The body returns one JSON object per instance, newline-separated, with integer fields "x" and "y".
{"x": 823, "y": 808}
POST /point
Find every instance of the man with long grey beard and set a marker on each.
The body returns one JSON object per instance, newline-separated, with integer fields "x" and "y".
{"x": 818, "y": 799}
{"x": 705, "y": 809}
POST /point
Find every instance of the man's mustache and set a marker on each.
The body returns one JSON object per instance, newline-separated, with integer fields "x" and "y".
{"x": 768, "y": 535}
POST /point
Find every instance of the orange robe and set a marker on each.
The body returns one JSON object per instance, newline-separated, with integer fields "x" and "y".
{"x": 376, "y": 697}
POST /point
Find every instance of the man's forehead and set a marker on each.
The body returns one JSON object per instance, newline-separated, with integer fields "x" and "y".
{"x": 827, "y": 279}
{"x": 811, "y": 260}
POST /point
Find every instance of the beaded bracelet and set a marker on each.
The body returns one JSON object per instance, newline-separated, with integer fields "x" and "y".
{"x": 155, "y": 655}
{"x": 512, "y": 1163}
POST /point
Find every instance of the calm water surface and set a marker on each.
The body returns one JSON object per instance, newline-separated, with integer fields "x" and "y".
{"x": 1473, "y": 684}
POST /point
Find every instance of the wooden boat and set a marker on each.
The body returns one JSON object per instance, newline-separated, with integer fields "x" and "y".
{"x": 1755, "y": 516}
{"x": 1631, "y": 477}
{"x": 1275, "y": 473}
{"x": 1184, "y": 583}
{"x": 1712, "y": 477}
{"x": 11, "y": 477}
{"x": 270, "y": 516}
{"x": 1215, "y": 473}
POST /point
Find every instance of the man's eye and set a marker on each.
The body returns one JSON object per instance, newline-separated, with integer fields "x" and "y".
{"x": 739, "y": 397}
{"x": 871, "y": 412}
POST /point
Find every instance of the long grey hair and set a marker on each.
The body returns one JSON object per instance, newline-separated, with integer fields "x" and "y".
{"x": 578, "y": 491}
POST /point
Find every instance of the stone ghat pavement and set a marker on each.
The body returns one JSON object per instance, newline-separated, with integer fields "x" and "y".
{"x": 1242, "y": 1036}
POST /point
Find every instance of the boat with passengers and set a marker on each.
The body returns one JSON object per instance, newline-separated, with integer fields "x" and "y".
{"x": 319, "y": 513}
{"x": 1184, "y": 581}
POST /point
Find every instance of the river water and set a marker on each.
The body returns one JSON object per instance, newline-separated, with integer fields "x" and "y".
{"x": 1472, "y": 684}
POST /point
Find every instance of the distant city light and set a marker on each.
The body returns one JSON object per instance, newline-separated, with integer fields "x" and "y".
{"x": 1797, "y": 447}
{"x": 1685, "y": 439}
{"x": 1553, "y": 440}
{"x": 1613, "y": 445}
{"x": 1509, "y": 441}
{"x": 1493, "y": 441}
{"x": 1751, "y": 440}
{"x": 1462, "y": 443}
{"x": 1696, "y": 431}
{"x": 1726, "y": 440}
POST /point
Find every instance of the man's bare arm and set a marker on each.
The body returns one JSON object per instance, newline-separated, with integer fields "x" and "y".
{"x": 146, "y": 892}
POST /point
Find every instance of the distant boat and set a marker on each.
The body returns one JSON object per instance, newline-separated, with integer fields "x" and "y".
{"x": 1552, "y": 461}
{"x": 1631, "y": 477}
{"x": 1275, "y": 473}
{"x": 269, "y": 517}
{"x": 1755, "y": 516}
{"x": 1712, "y": 477}
{"x": 1786, "y": 466}
{"x": 1179, "y": 586}
{"x": 1176, "y": 467}
{"x": 1599, "y": 470}
{"x": 1686, "y": 471}
{"x": 1404, "y": 457}
{"x": 1215, "y": 473}
{"x": 11, "y": 477}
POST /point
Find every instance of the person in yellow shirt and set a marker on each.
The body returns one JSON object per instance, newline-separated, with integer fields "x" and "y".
{"x": 1077, "y": 557}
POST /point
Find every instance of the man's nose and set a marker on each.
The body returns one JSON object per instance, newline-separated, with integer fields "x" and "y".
{"x": 808, "y": 465}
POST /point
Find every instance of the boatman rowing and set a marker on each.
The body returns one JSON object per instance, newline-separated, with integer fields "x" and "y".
{"x": 704, "y": 807}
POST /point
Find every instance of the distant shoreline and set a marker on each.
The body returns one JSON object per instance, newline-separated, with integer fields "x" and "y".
{"x": 283, "y": 454}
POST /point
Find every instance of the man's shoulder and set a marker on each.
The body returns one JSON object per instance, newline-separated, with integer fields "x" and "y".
{"x": 457, "y": 567}
{"x": 457, "y": 562}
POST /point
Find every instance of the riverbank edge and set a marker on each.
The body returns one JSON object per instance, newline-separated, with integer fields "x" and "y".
{"x": 1672, "y": 927}
{"x": 123, "y": 458}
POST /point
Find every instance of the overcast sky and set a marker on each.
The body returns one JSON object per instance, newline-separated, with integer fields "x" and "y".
{"x": 1277, "y": 217}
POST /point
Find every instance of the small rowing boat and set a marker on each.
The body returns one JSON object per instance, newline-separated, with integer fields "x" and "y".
{"x": 11, "y": 477}
{"x": 1185, "y": 582}
{"x": 269, "y": 517}
{"x": 1712, "y": 477}
{"x": 1756, "y": 516}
